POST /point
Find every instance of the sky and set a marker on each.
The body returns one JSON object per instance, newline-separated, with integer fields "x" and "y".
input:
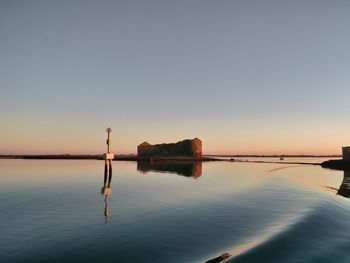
{"x": 246, "y": 77}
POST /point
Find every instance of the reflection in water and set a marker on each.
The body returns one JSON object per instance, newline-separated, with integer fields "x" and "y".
{"x": 106, "y": 190}
{"x": 344, "y": 189}
{"x": 283, "y": 167}
{"x": 185, "y": 168}
{"x": 234, "y": 208}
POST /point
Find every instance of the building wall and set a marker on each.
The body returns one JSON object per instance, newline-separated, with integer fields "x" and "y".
{"x": 346, "y": 153}
{"x": 197, "y": 147}
{"x": 183, "y": 148}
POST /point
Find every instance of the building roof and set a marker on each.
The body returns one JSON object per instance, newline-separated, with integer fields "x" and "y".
{"x": 147, "y": 144}
{"x": 144, "y": 144}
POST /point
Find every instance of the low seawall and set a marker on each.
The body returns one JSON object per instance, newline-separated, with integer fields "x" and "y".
{"x": 339, "y": 164}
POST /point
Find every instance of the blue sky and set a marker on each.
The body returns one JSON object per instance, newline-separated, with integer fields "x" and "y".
{"x": 244, "y": 76}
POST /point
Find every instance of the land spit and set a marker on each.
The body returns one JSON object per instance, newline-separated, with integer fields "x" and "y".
{"x": 339, "y": 164}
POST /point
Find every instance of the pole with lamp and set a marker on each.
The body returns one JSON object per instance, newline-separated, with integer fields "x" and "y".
{"x": 107, "y": 188}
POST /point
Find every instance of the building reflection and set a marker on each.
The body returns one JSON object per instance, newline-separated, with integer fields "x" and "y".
{"x": 106, "y": 190}
{"x": 344, "y": 189}
{"x": 185, "y": 168}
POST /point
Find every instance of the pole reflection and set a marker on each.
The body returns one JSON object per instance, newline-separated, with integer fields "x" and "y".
{"x": 106, "y": 190}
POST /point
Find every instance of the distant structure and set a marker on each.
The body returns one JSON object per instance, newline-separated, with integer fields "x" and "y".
{"x": 191, "y": 148}
{"x": 346, "y": 153}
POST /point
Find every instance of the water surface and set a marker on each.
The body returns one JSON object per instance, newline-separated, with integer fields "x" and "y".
{"x": 55, "y": 211}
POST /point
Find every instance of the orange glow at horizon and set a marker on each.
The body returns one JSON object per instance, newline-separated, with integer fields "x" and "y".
{"x": 218, "y": 136}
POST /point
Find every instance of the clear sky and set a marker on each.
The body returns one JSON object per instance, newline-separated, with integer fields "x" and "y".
{"x": 256, "y": 77}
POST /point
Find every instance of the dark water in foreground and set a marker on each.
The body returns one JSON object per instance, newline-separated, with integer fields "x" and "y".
{"x": 53, "y": 211}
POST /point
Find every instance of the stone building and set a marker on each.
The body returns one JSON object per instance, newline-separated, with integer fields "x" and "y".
{"x": 191, "y": 148}
{"x": 346, "y": 153}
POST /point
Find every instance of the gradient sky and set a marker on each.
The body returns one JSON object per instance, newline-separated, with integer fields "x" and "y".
{"x": 257, "y": 77}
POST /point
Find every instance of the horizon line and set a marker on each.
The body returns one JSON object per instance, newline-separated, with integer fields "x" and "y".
{"x": 219, "y": 155}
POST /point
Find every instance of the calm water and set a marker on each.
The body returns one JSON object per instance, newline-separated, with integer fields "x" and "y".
{"x": 55, "y": 211}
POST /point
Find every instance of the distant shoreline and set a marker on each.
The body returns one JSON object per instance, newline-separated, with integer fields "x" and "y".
{"x": 277, "y": 156}
{"x": 136, "y": 157}
{"x": 101, "y": 157}
{"x": 204, "y": 158}
{"x": 50, "y": 156}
